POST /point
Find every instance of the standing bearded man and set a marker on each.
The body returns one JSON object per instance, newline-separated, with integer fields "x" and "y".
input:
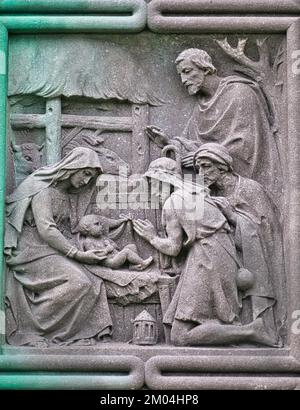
{"x": 232, "y": 111}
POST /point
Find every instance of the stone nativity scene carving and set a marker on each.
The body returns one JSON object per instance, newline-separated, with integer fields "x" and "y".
{"x": 146, "y": 189}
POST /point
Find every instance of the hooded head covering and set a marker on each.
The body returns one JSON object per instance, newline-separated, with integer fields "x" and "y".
{"x": 19, "y": 201}
{"x": 216, "y": 153}
{"x": 78, "y": 158}
{"x": 165, "y": 170}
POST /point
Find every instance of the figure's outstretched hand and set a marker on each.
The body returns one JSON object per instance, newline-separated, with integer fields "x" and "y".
{"x": 91, "y": 257}
{"x": 157, "y": 136}
{"x": 145, "y": 229}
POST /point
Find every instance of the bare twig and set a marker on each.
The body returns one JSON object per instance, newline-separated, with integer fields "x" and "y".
{"x": 261, "y": 67}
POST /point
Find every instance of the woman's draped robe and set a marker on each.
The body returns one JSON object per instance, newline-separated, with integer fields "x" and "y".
{"x": 42, "y": 273}
{"x": 48, "y": 294}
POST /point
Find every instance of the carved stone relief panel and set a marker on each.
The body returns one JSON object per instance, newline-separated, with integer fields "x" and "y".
{"x": 207, "y": 106}
{"x": 148, "y": 205}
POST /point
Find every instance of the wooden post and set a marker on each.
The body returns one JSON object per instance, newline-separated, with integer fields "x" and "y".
{"x": 53, "y": 130}
{"x": 140, "y": 141}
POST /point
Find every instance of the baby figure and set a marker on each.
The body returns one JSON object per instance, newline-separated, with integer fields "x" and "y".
{"x": 95, "y": 237}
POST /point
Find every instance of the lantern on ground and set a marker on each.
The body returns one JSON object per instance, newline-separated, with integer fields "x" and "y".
{"x": 144, "y": 329}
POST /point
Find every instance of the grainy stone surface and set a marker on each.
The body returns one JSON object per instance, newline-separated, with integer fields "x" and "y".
{"x": 149, "y": 177}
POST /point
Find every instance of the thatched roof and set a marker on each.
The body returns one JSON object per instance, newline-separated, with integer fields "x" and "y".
{"x": 86, "y": 67}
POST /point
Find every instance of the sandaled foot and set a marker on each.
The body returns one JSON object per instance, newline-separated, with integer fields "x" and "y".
{"x": 84, "y": 342}
{"x": 40, "y": 344}
{"x": 261, "y": 336}
{"x": 135, "y": 267}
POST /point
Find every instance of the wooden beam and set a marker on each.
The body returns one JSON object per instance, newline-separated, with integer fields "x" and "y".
{"x": 104, "y": 123}
{"x": 20, "y": 121}
{"x": 53, "y": 120}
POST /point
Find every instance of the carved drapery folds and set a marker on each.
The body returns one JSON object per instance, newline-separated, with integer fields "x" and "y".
{"x": 162, "y": 195}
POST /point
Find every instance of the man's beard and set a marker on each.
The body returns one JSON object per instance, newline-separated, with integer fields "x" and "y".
{"x": 193, "y": 89}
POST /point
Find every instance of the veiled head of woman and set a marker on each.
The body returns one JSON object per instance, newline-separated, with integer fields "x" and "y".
{"x": 78, "y": 168}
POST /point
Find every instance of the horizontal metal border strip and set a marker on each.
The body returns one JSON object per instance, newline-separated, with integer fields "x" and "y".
{"x": 71, "y": 6}
{"x": 84, "y": 372}
{"x": 216, "y": 24}
{"x": 69, "y": 24}
{"x": 224, "y": 6}
{"x": 35, "y": 16}
{"x": 217, "y": 16}
{"x": 233, "y": 369}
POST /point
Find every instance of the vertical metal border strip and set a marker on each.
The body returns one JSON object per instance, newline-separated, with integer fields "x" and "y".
{"x": 293, "y": 145}
{"x": 3, "y": 93}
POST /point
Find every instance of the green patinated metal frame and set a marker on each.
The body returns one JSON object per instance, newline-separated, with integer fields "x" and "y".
{"x": 194, "y": 368}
